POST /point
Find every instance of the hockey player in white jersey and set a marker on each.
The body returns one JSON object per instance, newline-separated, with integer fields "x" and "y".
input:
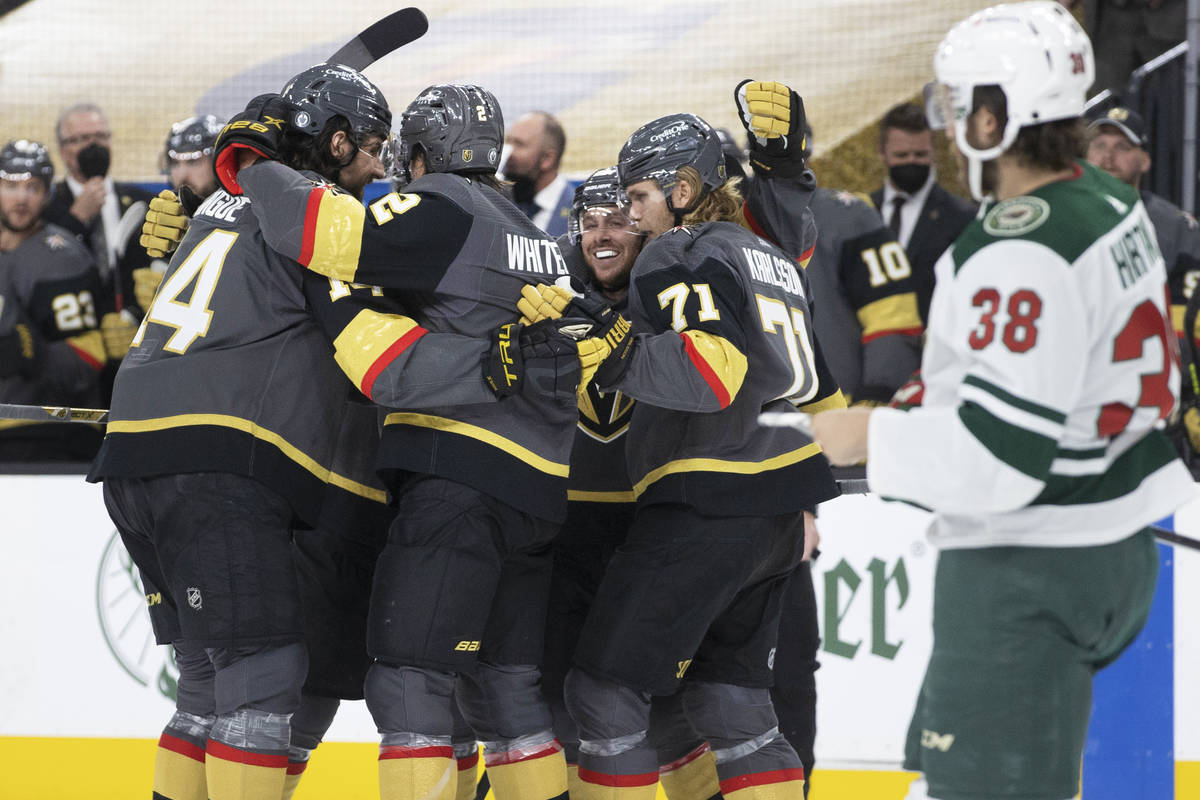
{"x": 1049, "y": 364}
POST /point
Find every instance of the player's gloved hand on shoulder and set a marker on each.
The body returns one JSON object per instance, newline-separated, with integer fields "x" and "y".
{"x": 534, "y": 359}
{"x": 20, "y": 350}
{"x": 165, "y": 225}
{"x": 773, "y": 115}
{"x": 544, "y": 301}
{"x": 605, "y": 354}
{"x": 258, "y": 129}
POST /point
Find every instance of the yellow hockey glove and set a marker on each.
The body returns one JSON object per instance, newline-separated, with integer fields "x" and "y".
{"x": 117, "y": 330}
{"x": 773, "y": 115}
{"x": 165, "y": 225}
{"x": 145, "y": 285}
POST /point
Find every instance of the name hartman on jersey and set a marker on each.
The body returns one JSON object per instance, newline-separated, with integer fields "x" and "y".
{"x": 223, "y": 206}
{"x": 539, "y": 256}
{"x": 771, "y": 269}
{"x": 1134, "y": 253}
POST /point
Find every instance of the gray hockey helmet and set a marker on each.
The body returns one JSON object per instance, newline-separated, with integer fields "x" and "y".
{"x": 22, "y": 159}
{"x": 659, "y": 148}
{"x": 191, "y": 139}
{"x": 459, "y": 127}
{"x": 600, "y": 189}
{"x": 324, "y": 91}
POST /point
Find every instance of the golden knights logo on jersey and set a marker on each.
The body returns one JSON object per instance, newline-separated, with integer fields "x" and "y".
{"x": 604, "y": 415}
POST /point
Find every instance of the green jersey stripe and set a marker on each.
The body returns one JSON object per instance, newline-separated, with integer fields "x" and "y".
{"x": 1127, "y": 472}
{"x": 1014, "y": 401}
{"x": 1022, "y": 449}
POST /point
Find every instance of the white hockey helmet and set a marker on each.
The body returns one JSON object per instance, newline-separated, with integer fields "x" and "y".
{"x": 1035, "y": 52}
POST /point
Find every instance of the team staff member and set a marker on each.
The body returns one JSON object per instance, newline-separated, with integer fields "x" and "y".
{"x": 205, "y": 478}
{"x": 51, "y": 351}
{"x": 725, "y": 336}
{"x": 482, "y": 489}
{"x": 1048, "y": 364}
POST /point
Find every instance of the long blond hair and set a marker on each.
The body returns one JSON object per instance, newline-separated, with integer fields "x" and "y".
{"x": 722, "y": 204}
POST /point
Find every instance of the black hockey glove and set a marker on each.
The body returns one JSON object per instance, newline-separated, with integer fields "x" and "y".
{"x": 259, "y": 129}
{"x": 534, "y": 359}
{"x": 773, "y": 115}
{"x": 605, "y": 355}
{"x": 20, "y": 349}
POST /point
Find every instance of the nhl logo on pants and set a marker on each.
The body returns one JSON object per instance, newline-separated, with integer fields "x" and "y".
{"x": 193, "y": 598}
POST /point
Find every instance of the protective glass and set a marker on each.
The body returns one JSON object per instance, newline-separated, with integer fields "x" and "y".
{"x": 946, "y": 104}
{"x": 598, "y": 220}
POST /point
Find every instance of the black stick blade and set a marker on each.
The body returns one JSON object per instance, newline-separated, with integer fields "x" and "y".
{"x": 390, "y": 33}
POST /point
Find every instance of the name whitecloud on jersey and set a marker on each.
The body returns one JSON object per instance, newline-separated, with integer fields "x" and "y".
{"x": 538, "y": 256}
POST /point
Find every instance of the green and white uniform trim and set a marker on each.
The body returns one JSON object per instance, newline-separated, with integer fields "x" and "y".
{"x": 1047, "y": 368}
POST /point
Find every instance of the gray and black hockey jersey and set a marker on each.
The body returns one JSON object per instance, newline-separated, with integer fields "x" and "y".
{"x": 724, "y": 334}
{"x": 1178, "y": 238}
{"x": 54, "y": 282}
{"x": 231, "y": 372}
{"x": 460, "y": 252}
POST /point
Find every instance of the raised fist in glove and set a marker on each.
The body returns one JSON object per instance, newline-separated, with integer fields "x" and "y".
{"x": 773, "y": 115}
{"x": 165, "y": 225}
{"x": 533, "y": 359}
{"x": 117, "y": 329}
{"x": 258, "y": 130}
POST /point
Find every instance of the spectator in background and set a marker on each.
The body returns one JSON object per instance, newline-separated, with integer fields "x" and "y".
{"x": 107, "y": 218}
{"x": 534, "y": 147}
{"x": 923, "y": 216}
{"x": 51, "y": 352}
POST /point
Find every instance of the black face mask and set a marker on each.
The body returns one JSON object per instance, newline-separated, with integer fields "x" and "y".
{"x": 523, "y": 189}
{"x": 908, "y": 178}
{"x": 94, "y": 160}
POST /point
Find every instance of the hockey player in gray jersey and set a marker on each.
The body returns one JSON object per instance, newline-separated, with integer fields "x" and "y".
{"x": 51, "y": 351}
{"x": 1048, "y": 366}
{"x": 482, "y": 489}
{"x": 721, "y": 323}
{"x": 227, "y": 427}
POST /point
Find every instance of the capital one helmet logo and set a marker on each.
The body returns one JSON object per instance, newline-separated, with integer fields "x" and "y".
{"x": 125, "y": 624}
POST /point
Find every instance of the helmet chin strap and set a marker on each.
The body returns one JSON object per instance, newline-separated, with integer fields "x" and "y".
{"x": 975, "y": 156}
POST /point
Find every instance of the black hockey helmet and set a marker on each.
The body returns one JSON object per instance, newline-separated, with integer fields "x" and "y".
{"x": 458, "y": 126}
{"x": 600, "y": 189}
{"x": 659, "y": 148}
{"x": 324, "y": 91}
{"x": 190, "y": 139}
{"x": 22, "y": 159}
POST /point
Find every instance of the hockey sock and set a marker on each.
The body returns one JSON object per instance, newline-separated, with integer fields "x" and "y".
{"x": 573, "y": 785}
{"x": 179, "y": 762}
{"x": 417, "y": 771}
{"x": 467, "y": 756}
{"x": 247, "y": 755}
{"x": 771, "y": 771}
{"x": 529, "y": 772}
{"x": 692, "y": 777}
{"x": 297, "y": 762}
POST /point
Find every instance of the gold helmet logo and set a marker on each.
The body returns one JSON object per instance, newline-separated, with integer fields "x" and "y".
{"x": 467, "y": 156}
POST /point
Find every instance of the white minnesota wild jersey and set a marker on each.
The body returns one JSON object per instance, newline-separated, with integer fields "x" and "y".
{"x": 1049, "y": 363}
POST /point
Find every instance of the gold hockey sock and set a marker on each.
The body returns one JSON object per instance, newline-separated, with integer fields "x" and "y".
{"x": 236, "y": 774}
{"x": 179, "y": 769}
{"x": 468, "y": 776}
{"x": 693, "y": 777}
{"x": 295, "y": 771}
{"x": 417, "y": 773}
{"x": 573, "y": 784}
{"x": 778, "y": 784}
{"x": 521, "y": 775}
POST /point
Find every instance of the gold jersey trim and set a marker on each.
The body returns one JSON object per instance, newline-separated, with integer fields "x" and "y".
{"x": 721, "y": 465}
{"x": 581, "y": 496}
{"x": 301, "y": 458}
{"x": 479, "y": 434}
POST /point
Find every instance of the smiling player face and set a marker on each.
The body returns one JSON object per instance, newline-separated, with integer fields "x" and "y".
{"x": 610, "y": 243}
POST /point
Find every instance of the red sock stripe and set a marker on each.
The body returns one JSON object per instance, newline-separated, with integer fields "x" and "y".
{"x": 297, "y": 767}
{"x": 182, "y": 747}
{"x": 308, "y": 236}
{"x": 391, "y": 354}
{"x": 394, "y": 751}
{"x": 895, "y": 331}
{"x": 238, "y": 756}
{"x": 603, "y": 779}
{"x": 761, "y": 779}
{"x": 516, "y": 757}
{"x": 680, "y": 763}
{"x": 706, "y": 372}
{"x": 469, "y": 762}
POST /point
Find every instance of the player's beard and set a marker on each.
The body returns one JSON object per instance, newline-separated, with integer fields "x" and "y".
{"x": 7, "y": 224}
{"x": 523, "y": 189}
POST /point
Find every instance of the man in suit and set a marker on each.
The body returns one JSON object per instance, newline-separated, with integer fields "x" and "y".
{"x": 533, "y": 150}
{"x": 924, "y": 217}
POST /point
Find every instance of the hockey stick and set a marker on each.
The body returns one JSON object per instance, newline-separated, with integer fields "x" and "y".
{"x": 53, "y": 413}
{"x": 390, "y": 33}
